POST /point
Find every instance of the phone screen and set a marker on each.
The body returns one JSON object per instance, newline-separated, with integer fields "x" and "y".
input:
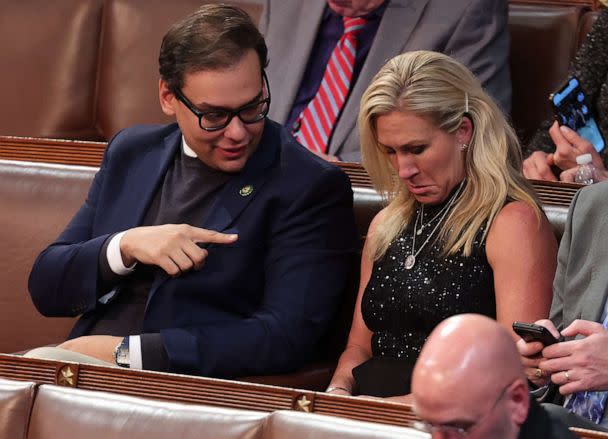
{"x": 571, "y": 108}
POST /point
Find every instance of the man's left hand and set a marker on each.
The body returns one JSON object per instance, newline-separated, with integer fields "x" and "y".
{"x": 582, "y": 364}
{"x": 98, "y": 346}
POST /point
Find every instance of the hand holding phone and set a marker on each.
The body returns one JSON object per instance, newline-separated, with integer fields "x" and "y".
{"x": 572, "y": 108}
{"x": 531, "y": 332}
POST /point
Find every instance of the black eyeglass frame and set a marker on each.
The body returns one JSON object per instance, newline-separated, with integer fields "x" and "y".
{"x": 231, "y": 113}
{"x": 461, "y": 432}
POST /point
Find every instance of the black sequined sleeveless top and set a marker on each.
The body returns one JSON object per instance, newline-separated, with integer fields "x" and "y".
{"x": 401, "y": 307}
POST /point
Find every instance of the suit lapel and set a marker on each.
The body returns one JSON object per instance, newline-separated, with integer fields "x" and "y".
{"x": 243, "y": 188}
{"x": 238, "y": 192}
{"x": 290, "y": 57}
{"x": 145, "y": 176}
{"x": 398, "y": 21}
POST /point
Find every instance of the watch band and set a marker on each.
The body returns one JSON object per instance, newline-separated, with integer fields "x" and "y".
{"x": 121, "y": 353}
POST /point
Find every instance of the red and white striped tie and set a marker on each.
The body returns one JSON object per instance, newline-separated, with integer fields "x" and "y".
{"x": 317, "y": 120}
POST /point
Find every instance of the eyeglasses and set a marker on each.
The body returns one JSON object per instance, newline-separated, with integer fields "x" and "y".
{"x": 459, "y": 431}
{"x": 219, "y": 118}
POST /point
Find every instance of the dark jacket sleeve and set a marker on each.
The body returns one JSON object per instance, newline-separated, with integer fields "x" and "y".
{"x": 63, "y": 280}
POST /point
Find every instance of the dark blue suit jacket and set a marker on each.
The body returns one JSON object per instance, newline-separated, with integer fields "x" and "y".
{"x": 258, "y": 306}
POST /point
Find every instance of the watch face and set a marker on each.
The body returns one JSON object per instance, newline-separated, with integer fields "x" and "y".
{"x": 122, "y": 359}
{"x": 122, "y": 353}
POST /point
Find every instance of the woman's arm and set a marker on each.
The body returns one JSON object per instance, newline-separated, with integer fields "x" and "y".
{"x": 523, "y": 255}
{"x": 358, "y": 348}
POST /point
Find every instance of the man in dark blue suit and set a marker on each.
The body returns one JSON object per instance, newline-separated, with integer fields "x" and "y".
{"x": 215, "y": 246}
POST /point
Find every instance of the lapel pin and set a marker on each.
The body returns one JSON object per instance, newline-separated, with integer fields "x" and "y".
{"x": 246, "y": 190}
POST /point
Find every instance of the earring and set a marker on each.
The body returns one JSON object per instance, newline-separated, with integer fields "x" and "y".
{"x": 464, "y": 146}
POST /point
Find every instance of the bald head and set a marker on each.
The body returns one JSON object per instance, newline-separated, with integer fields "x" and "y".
{"x": 465, "y": 364}
{"x": 468, "y": 346}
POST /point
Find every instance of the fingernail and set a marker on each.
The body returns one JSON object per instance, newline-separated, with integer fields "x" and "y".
{"x": 564, "y": 129}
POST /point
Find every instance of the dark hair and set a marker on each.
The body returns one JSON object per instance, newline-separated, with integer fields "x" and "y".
{"x": 211, "y": 38}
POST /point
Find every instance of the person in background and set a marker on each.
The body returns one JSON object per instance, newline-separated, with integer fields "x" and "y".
{"x": 320, "y": 106}
{"x": 556, "y": 147}
{"x": 579, "y": 312}
{"x": 463, "y": 231}
{"x": 469, "y": 382}
{"x": 216, "y": 246}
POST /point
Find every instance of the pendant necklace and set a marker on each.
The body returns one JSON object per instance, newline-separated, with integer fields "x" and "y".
{"x": 428, "y": 223}
{"x": 410, "y": 260}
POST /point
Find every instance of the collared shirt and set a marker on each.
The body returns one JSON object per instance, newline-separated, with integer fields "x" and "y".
{"x": 330, "y": 31}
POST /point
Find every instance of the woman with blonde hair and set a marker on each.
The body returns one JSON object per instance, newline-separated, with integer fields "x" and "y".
{"x": 462, "y": 230}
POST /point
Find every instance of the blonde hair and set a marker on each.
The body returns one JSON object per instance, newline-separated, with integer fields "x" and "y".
{"x": 435, "y": 86}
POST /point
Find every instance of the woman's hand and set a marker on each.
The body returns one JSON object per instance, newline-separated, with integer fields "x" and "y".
{"x": 569, "y": 145}
{"x": 538, "y": 166}
{"x": 338, "y": 391}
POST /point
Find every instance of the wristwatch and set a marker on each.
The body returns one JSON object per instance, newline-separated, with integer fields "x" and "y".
{"x": 121, "y": 353}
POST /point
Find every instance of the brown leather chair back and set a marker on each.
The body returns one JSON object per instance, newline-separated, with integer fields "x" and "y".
{"x": 128, "y": 72}
{"x": 16, "y": 399}
{"x": 61, "y": 412}
{"x": 49, "y": 63}
{"x": 543, "y": 41}
{"x": 585, "y": 25}
{"x": 295, "y": 425}
{"x": 37, "y": 202}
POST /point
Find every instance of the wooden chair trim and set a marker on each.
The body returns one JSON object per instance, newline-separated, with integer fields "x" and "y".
{"x": 200, "y": 390}
{"x": 213, "y": 392}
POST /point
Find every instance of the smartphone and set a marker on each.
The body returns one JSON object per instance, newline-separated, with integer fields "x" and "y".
{"x": 531, "y": 332}
{"x": 571, "y": 108}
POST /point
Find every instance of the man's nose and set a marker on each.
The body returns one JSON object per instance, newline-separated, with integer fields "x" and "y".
{"x": 236, "y": 130}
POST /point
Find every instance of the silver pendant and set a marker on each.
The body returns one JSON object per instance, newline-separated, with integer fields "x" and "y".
{"x": 410, "y": 261}
{"x": 419, "y": 232}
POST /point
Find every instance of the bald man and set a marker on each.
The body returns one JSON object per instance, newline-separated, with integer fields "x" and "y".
{"x": 469, "y": 381}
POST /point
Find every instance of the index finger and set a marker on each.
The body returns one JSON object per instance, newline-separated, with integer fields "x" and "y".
{"x": 200, "y": 235}
{"x": 582, "y": 327}
{"x": 575, "y": 139}
{"x": 559, "y": 350}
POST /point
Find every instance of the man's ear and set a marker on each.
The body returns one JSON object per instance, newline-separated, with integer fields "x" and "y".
{"x": 519, "y": 401}
{"x": 167, "y": 98}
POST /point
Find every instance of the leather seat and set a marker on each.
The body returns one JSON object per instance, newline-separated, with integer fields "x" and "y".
{"x": 49, "y": 68}
{"x": 61, "y": 412}
{"x": 16, "y": 400}
{"x": 543, "y": 41}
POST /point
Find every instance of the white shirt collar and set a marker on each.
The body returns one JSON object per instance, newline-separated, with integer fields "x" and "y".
{"x": 187, "y": 150}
